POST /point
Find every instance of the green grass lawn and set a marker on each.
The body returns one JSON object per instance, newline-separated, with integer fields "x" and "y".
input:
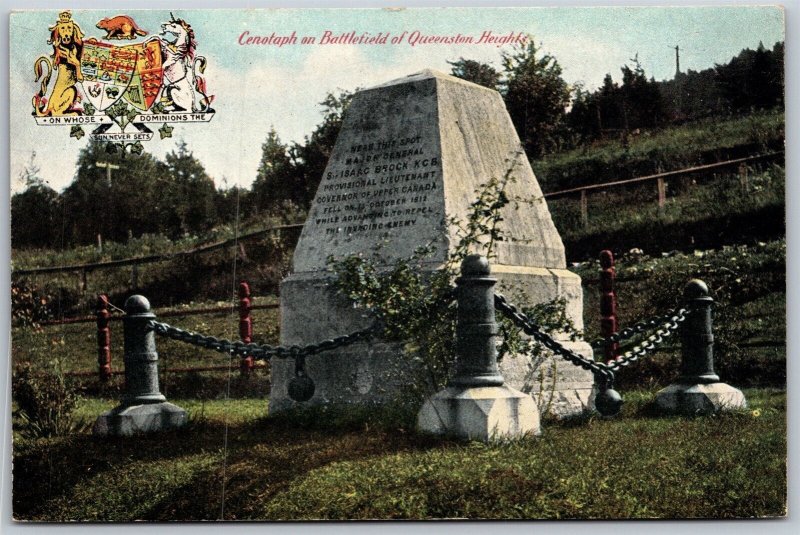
{"x": 314, "y": 466}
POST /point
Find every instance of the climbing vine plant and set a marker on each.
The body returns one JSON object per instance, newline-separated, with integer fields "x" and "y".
{"x": 417, "y": 306}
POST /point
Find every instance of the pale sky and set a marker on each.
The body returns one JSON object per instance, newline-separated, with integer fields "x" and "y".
{"x": 256, "y": 87}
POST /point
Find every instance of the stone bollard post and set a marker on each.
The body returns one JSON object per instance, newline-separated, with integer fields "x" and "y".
{"x": 141, "y": 357}
{"x": 476, "y": 405}
{"x": 476, "y": 328}
{"x": 143, "y": 408}
{"x": 698, "y": 389}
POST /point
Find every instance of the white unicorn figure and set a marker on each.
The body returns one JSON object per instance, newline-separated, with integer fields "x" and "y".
{"x": 184, "y": 89}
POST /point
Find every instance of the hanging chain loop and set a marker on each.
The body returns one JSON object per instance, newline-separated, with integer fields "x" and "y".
{"x": 639, "y": 328}
{"x": 603, "y": 372}
{"x": 262, "y": 351}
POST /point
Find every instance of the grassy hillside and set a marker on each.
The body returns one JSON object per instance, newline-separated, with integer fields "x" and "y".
{"x": 652, "y": 152}
{"x": 697, "y": 215}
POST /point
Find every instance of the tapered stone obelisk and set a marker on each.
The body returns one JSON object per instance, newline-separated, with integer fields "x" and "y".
{"x": 408, "y": 160}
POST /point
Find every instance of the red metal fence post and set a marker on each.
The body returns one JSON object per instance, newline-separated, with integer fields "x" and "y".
{"x": 245, "y": 325}
{"x": 608, "y": 302}
{"x": 103, "y": 338}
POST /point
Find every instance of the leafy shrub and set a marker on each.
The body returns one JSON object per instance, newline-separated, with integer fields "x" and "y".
{"x": 45, "y": 402}
{"x": 29, "y": 305}
{"x": 417, "y": 307}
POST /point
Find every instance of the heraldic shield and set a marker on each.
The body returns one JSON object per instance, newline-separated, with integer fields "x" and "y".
{"x": 148, "y": 75}
{"x": 107, "y": 72}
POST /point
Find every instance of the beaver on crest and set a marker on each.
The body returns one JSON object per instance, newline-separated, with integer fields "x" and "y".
{"x": 120, "y": 27}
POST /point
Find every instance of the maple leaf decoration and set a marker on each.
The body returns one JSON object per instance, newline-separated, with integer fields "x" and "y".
{"x": 165, "y": 131}
{"x": 76, "y": 132}
{"x": 116, "y": 110}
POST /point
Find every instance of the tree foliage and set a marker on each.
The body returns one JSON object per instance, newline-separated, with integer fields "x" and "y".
{"x": 140, "y": 195}
{"x": 476, "y": 72}
{"x": 275, "y": 174}
{"x": 190, "y": 191}
{"x": 615, "y": 110}
{"x": 754, "y": 79}
{"x": 116, "y": 206}
{"x": 35, "y": 211}
{"x": 536, "y": 97}
{"x": 288, "y": 176}
{"x": 311, "y": 158}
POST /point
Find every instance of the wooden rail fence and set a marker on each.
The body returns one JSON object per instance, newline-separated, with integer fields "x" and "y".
{"x": 660, "y": 183}
{"x": 151, "y": 258}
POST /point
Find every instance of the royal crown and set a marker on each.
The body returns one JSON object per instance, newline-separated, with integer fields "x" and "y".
{"x": 65, "y": 16}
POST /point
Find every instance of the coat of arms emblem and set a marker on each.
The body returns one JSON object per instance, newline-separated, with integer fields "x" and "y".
{"x": 90, "y": 81}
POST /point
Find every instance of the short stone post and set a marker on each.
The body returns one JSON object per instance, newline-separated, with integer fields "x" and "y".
{"x": 698, "y": 389}
{"x": 143, "y": 408}
{"x": 476, "y": 405}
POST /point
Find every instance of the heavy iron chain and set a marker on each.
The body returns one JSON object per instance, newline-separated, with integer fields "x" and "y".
{"x": 259, "y": 351}
{"x": 598, "y": 369}
{"x": 668, "y": 326}
{"x": 604, "y": 372}
{"x": 638, "y": 328}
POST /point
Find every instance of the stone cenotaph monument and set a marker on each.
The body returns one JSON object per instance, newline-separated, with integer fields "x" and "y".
{"x": 409, "y": 158}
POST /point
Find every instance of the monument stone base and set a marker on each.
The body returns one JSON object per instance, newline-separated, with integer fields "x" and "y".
{"x": 375, "y": 372}
{"x": 699, "y": 398}
{"x": 480, "y": 413}
{"x": 560, "y": 389}
{"x": 129, "y": 420}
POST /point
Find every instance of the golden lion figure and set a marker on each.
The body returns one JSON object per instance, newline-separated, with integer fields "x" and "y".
{"x": 67, "y": 40}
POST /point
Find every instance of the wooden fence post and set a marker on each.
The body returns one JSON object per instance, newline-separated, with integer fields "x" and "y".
{"x": 662, "y": 196}
{"x": 245, "y": 325}
{"x": 584, "y": 209}
{"x": 744, "y": 179}
{"x": 608, "y": 302}
{"x": 103, "y": 338}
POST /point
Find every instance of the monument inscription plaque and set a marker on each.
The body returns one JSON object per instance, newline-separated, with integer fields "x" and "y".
{"x": 383, "y": 180}
{"x": 408, "y": 161}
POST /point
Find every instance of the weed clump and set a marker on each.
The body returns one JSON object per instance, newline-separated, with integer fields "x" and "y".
{"x": 45, "y": 402}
